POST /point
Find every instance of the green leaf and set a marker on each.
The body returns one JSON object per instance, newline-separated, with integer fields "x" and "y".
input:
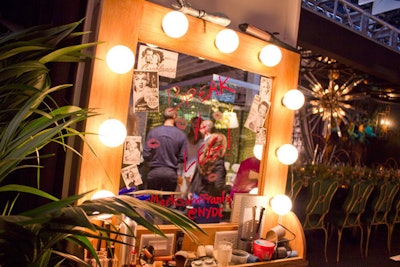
{"x": 26, "y": 189}
{"x": 30, "y": 119}
{"x": 18, "y": 70}
{"x": 60, "y": 53}
{"x": 23, "y": 49}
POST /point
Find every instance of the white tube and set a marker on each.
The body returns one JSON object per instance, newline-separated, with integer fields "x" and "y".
{"x": 127, "y": 227}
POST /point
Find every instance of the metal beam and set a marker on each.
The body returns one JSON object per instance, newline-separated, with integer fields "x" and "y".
{"x": 348, "y": 46}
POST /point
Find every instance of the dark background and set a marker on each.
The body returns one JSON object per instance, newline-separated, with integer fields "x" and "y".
{"x": 20, "y": 14}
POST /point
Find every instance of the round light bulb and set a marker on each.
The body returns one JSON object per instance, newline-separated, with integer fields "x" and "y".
{"x": 287, "y": 154}
{"x": 281, "y": 204}
{"x": 120, "y": 59}
{"x": 258, "y": 151}
{"x": 102, "y": 194}
{"x": 293, "y": 99}
{"x": 98, "y": 195}
{"x": 175, "y": 24}
{"x": 270, "y": 55}
{"x": 227, "y": 41}
{"x": 112, "y": 133}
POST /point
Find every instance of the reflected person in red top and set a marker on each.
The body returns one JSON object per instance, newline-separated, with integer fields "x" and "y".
{"x": 246, "y": 177}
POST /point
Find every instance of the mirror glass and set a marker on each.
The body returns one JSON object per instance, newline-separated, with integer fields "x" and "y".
{"x": 196, "y": 87}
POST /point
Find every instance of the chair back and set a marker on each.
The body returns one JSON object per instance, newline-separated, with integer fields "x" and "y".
{"x": 356, "y": 201}
{"x": 294, "y": 189}
{"x": 318, "y": 205}
{"x": 381, "y": 207}
{"x": 382, "y": 204}
{"x": 393, "y": 217}
{"x": 396, "y": 210}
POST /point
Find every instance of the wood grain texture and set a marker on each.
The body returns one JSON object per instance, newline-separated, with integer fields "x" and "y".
{"x": 109, "y": 94}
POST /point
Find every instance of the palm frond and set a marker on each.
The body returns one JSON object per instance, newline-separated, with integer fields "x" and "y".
{"x": 30, "y": 119}
{"x": 26, "y": 189}
{"x": 60, "y": 55}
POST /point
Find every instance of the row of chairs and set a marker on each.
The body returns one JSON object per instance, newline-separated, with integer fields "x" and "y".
{"x": 366, "y": 205}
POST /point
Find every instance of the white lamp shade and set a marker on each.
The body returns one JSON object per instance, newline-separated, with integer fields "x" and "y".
{"x": 227, "y": 41}
{"x": 258, "y": 151}
{"x": 120, "y": 59}
{"x": 270, "y": 55}
{"x": 175, "y": 24}
{"x": 231, "y": 118}
{"x": 281, "y": 204}
{"x": 293, "y": 99}
{"x": 112, "y": 133}
{"x": 287, "y": 154}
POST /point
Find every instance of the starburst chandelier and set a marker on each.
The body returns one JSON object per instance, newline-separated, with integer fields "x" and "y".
{"x": 332, "y": 102}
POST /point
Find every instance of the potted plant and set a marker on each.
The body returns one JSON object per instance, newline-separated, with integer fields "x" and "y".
{"x": 30, "y": 119}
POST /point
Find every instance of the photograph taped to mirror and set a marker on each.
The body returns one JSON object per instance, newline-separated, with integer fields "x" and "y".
{"x": 131, "y": 176}
{"x": 132, "y": 150}
{"x": 155, "y": 59}
{"x": 145, "y": 91}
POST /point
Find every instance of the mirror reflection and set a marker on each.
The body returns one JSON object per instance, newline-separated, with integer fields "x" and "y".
{"x": 193, "y": 126}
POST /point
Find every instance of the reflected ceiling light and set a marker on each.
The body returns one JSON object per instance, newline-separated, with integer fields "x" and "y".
{"x": 227, "y": 41}
{"x": 175, "y": 24}
{"x": 151, "y": 45}
{"x": 270, "y": 55}
{"x": 112, "y": 133}
{"x": 281, "y": 204}
{"x": 258, "y": 151}
{"x": 287, "y": 154}
{"x": 254, "y": 191}
{"x": 293, "y": 99}
{"x": 120, "y": 59}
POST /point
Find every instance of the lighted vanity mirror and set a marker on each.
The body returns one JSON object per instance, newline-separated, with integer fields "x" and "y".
{"x": 230, "y": 97}
{"x": 130, "y": 22}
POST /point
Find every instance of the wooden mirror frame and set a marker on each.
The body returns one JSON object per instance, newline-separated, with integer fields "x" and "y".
{"x": 127, "y": 22}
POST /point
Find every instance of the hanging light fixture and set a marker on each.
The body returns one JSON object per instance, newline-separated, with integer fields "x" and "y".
{"x": 270, "y": 55}
{"x": 287, "y": 154}
{"x": 175, "y": 24}
{"x": 332, "y": 101}
{"x": 227, "y": 41}
{"x": 112, "y": 133}
{"x": 293, "y": 99}
{"x": 120, "y": 59}
{"x": 233, "y": 120}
